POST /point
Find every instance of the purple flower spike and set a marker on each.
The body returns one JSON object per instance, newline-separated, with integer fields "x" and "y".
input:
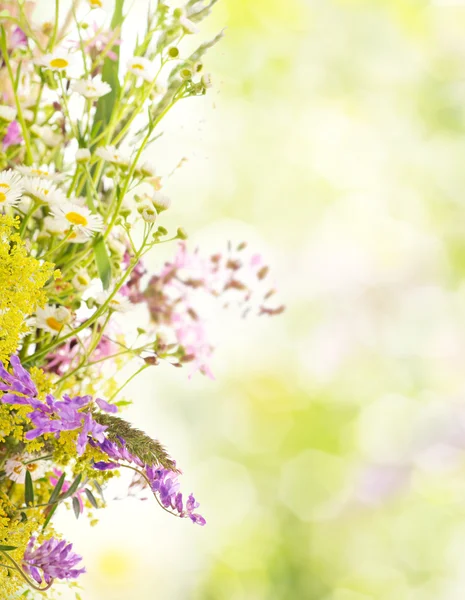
{"x": 54, "y": 559}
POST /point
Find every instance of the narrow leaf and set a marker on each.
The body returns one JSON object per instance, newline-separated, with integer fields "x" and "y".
{"x": 7, "y": 548}
{"x": 51, "y": 510}
{"x": 91, "y": 498}
{"x": 98, "y": 487}
{"x": 56, "y": 492}
{"x": 28, "y": 490}
{"x": 103, "y": 262}
{"x": 76, "y": 507}
{"x": 73, "y": 487}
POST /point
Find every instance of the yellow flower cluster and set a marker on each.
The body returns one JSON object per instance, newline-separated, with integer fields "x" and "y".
{"x": 22, "y": 279}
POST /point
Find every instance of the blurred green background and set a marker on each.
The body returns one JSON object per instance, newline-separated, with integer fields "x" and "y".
{"x": 328, "y": 455}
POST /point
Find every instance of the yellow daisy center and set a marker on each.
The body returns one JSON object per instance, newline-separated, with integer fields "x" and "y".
{"x": 4, "y": 186}
{"x": 2, "y": 197}
{"x": 138, "y": 66}
{"x": 76, "y": 218}
{"x": 96, "y": 3}
{"x": 82, "y": 280}
{"x": 18, "y": 469}
{"x": 59, "y": 63}
{"x": 32, "y": 467}
{"x": 54, "y": 323}
{"x": 39, "y": 172}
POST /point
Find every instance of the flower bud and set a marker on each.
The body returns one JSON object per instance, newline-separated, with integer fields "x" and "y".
{"x": 160, "y": 202}
{"x": 173, "y": 52}
{"x": 181, "y": 233}
{"x": 148, "y": 213}
{"x": 83, "y": 155}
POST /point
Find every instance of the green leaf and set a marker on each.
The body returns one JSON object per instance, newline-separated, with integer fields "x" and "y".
{"x": 7, "y": 548}
{"x": 51, "y": 510}
{"x": 103, "y": 261}
{"x": 28, "y": 490}
{"x": 72, "y": 488}
{"x": 56, "y": 492}
{"x": 110, "y": 70}
{"x": 76, "y": 507}
{"x": 91, "y": 498}
{"x": 98, "y": 487}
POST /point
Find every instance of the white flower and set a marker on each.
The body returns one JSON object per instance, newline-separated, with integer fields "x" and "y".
{"x": 11, "y": 188}
{"x": 47, "y": 135}
{"x": 81, "y": 280}
{"x": 28, "y": 114}
{"x": 57, "y": 61}
{"x": 206, "y": 80}
{"x": 112, "y": 155}
{"x": 79, "y": 217}
{"x": 42, "y": 171}
{"x": 43, "y": 189}
{"x": 7, "y": 113}
{"x": 118, "y": 303}
{"x": 91, "y": 88}
{"x": 17, "y": 466}
{"x": 82, "y": 155}
{"x": 53, "y": 225}
{"x": 52, "y": 318}
{"x": 146, "y": 169}
{"x": 142, "y": 67}
{"x": 188, "y": 25}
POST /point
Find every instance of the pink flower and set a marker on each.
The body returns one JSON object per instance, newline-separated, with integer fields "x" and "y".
{"x": 13, "y": 135}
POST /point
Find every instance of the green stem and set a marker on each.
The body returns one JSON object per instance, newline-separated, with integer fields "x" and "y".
{"x": 25, "y": 131}
{"x": 133, "y": 376}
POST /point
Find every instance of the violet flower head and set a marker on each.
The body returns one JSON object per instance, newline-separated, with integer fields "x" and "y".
{"x": 13, "y": 135}
{"x": 54, "y": 559}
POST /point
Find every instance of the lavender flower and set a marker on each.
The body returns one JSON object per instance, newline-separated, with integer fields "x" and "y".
{"x": 54, "y": 559}
{"x": 18, "y": 38}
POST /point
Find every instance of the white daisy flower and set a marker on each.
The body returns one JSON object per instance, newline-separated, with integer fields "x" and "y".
{"x": 83, "y": 155}
{"x": 52, "y": 318}
{"x": 92, "y": 88}
{"x": 7, "y": 113}
{"x": 81, "y": 280}
{"x": 47, "y": 135}
{"x": 80, "y": 217}
{"x": 118, "y": 303}
{"x": 113, "y": 155}
{"x": 59, "y": 60}
{"x": 17, "y": 466}
{"x": 142, "y": 67}
{"x": 11, "y": 188}
{"x": 42, "y": 171}
{"x": 43, "y": 189}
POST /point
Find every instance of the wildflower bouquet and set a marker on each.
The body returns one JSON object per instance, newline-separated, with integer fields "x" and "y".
{"x": 80, "y": 209}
